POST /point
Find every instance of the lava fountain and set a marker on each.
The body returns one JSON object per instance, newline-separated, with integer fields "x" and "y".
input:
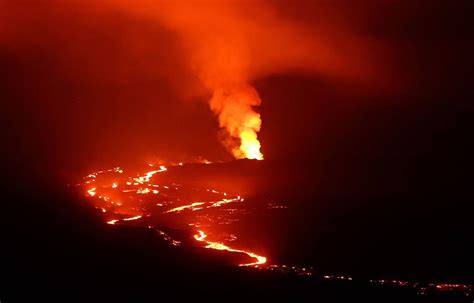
{"x": 234, "y": 107}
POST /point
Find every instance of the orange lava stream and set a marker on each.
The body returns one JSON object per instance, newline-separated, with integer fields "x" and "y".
{"x": 148, "y": 175}
{"x": 108, "y": 201}
{"x": 190, "y": 206}
{"x": 91, "y": 192}
{"x": 140, "y": 185}
{"x": 112, "y": 222}
{"x": 201, "y": 236}
{"x": 132, "y": 218}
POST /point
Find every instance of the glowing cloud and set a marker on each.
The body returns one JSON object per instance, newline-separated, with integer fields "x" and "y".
{"x": 231, "y": 43}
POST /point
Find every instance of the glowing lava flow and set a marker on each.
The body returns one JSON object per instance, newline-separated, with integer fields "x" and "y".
{"x": 123, "y": 199}
{"x": 190, "y": 206}
{"x": 118, "y": 196}
{"x": 148, "y": 175}
{"x": 201, "y": 237}
{"x": 132, "y": 218}
{"x": 91, "y": 192}
{"x": 112, "y": 222}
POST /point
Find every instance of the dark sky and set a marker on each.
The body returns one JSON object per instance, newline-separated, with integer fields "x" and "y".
{"x": 85, "y": 87}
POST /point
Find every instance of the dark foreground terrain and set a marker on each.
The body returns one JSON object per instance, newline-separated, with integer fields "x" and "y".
{"x": 56, "y": 247}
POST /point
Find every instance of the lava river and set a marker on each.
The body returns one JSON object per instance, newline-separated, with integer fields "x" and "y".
{"x": 140, "y": 200}
{"x": 211, "y": 215}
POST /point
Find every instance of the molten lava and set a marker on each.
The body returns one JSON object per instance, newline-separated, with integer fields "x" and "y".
{"x": 201, "y": 236}
{"x": 110, "y": 196}
{"x": 191, "y": 206}
{"x": 135, "y": 200}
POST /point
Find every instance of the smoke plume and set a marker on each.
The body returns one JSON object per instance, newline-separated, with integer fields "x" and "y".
{"x": 231, "y": 43}
{"x": 218, "y": 49}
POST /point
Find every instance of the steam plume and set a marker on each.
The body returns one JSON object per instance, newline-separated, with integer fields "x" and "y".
{"x": 231, "y": 43}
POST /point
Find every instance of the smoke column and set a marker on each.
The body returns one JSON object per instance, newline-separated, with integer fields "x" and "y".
{"x": 231, "y": 43}
{"x": 219, "y": 52}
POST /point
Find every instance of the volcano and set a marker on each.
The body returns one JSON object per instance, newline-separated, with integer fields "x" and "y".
{"x": 260, "y": 150}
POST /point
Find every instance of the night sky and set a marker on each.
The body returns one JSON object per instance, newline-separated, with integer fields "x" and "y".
{"x": 87, "y": 86}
